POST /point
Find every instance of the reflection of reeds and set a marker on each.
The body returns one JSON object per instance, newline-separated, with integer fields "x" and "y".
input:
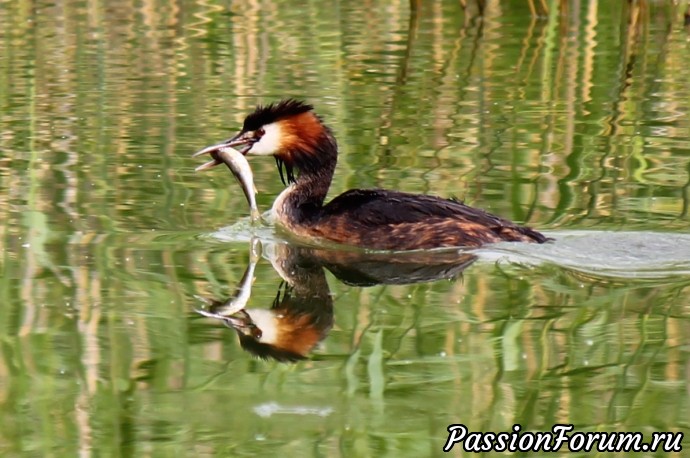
{"x": 576, "y": 118}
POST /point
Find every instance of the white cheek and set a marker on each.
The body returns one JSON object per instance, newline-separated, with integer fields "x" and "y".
{"x": 267, "y": 322}
{"x": 269, "y": 143}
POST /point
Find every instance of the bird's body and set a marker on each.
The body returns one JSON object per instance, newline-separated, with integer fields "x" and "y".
{"x": 391, "y": 220}
{"x": 368, "y": 218}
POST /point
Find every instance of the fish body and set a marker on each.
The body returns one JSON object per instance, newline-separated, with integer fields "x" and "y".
{"x": 240, "y": 168}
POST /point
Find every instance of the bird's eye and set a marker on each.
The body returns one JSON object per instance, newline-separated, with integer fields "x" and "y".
{"x": 259, "y": 132}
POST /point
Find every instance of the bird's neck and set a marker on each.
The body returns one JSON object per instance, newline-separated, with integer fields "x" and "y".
{"x": 315, "y": 160}
{"x": 302, "y": 201}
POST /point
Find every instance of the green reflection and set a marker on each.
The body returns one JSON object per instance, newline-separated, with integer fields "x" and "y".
{"x": 572, "y": 119}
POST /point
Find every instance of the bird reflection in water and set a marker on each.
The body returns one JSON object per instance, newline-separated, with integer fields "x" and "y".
{"x": 301, "y": 314}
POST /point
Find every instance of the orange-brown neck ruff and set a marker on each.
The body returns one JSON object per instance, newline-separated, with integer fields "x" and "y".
{"x": 308, "y": 146}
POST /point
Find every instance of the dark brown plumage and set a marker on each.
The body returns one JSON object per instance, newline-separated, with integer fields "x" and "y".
{"x": 391, "y": 220}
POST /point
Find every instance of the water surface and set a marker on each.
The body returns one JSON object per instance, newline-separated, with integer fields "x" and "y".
{"x": 573, "y": 120}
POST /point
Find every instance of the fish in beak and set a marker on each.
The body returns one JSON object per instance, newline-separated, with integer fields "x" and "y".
{"x": 225, "y": 153}
{"x": 241, "y": 143}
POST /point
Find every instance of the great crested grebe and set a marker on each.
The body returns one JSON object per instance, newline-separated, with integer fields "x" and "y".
{"x": 370, "y": 218}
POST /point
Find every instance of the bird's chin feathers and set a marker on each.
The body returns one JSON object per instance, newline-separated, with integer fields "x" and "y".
{"x": 286, "y": 171}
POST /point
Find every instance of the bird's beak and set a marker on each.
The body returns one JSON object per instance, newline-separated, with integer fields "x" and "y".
{"x": 242, "y": 142}
{"x": 243, "y": 323}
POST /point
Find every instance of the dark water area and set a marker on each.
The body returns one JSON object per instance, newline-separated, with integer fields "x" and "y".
{"x": 135, "y": 295}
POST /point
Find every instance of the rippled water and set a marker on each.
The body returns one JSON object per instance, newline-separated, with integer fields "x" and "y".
{"x": 574, "y": 121}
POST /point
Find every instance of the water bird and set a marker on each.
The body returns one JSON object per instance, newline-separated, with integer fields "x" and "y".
{"x": 306, "y": 153}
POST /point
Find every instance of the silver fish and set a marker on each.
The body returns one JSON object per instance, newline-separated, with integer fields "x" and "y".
{"x": 239, "y": 167}
{"x": 238, "y": 301}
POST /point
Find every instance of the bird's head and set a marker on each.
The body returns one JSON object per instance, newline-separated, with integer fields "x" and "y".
{"x": 289, "y": 131}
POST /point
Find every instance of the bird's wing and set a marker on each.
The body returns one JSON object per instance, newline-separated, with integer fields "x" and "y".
{"x": 379, "y": 206}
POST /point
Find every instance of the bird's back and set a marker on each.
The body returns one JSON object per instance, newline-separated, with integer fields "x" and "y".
{"x": 392, "y": 220}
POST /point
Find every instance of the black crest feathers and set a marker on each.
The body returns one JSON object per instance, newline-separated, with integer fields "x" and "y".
{"x": 266, "y": 114}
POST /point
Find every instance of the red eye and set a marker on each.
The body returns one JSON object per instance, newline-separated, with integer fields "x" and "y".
{"x": 260, "y": 132}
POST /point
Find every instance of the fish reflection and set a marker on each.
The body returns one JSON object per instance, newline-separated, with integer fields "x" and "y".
{"x": 301, "y": 314}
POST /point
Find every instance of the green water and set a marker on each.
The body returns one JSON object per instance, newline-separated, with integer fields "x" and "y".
{"x": 574, "y": 122}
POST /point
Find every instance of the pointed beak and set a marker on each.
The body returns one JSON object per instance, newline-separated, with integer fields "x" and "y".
{"x": 242, "y": 322}
{"x": 242, "y": 142}
{"x": 212, "y": 150}
{"x": 239, "y": 320}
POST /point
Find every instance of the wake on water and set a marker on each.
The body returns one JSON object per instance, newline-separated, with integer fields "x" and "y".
{"x": 623, "y": 254}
